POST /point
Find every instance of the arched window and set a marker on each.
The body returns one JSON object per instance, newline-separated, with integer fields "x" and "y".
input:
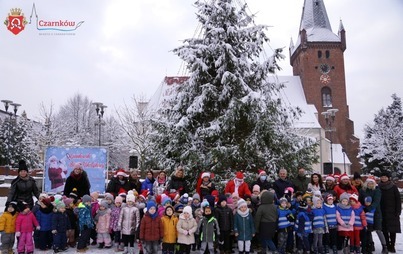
{"x": 326, "y": 97}
{"x": 327, "y": 53}
{"x": 319, "y": 54}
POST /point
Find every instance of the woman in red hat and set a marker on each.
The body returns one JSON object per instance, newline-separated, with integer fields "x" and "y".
{"x": 344, "y": 186}
{"x": 238, "y": 186}
{"x": 118, "y": 183}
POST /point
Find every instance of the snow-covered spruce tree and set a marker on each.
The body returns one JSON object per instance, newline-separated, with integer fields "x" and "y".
{"x": 227, "y": 115}
{"x": 382, "y": 147}
{"x": 17, "y": 142}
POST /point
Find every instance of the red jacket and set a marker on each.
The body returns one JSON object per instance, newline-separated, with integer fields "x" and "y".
{"x": 25, "y": 222}
{"x": 243, "y": 189}
{"x": 151, "y": 229}
{"x": 340, "y": 191}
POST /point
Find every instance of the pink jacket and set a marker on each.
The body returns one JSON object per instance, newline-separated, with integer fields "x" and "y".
{"x": 25, "y": 222}
{"x": 103, "y": 223}
{"x": 341, "y": 222}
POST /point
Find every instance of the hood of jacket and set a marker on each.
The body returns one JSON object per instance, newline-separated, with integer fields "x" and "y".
{"x": 267, "y": 197}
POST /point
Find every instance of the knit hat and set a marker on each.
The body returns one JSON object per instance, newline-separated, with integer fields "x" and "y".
{"x": 22, "y": 165}
{"x": 354, "y": 197}
{"x": 289, "y": 190}
{"x": 22, "y": 206}
{"x": 329, "y": 196}
{"x": 345, "y": 195}
{"x": 122, "y": 193}
{"x": 119, "y": 199}
{"x": 78, "y": 165}
{"x": 184, "y": 199}
{"x": 48, "y": 201}
{"x": 241, "y": 202}
{"x": 368, "y": 199}
{"x": 356, "y": 176}
{"x": 239, "y": 175}
{"x": 121, "y": 172}
{"x": 144, "y": 194}
{"x": 109, "y": 196}
{"x": 95, "y": 195}
{"x": 344, "y": 176}
{"x": 386, "y": 173}
{"x": 14, "y": 205}
{"x": 60, "y": 205}
{"x": 205, "y": 174}
{"x": 151, "y": 204}
{"x": 165, "y": 200}
{"x": 317, "y": 193}
{"x": 43, "y": 195}
{"x": 73, "y": 194}
{"x": 196, "y": 196}
{"x": 86, "y": 198}
{"x": 315, "y": 200}
{"x": 330, "y": 178}
{"x": 187, "y": 209}
{"x": 261, "y": 172}
{"x": 204, "y": 203}
{"x": 371, "y": 179}
{"x": 282, "y": 199}
{"x": 67, "y": 201}
{"x": 221, "y": 198}
{"x": 179, "y": 207}
{"x": 256, "y": 188}
{"x": 130, "y": 197}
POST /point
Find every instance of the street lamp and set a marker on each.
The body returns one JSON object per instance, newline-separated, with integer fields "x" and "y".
{"x": 330, "y": 115}
{"x": 100, "y": 109}
{"x": 7, "y": 104}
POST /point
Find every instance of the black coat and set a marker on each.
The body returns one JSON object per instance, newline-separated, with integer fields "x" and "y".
{"x": 225, "y": 218}
{"x": 178, "y": 184}
{"x": 60, "y": 222}
{"x": 265, "y": 185}
{"x": 280, "y": 185}
{"x": 81, "y": 183}
{"x": 376, "y": 196}
{"x": 391, "y": 207}
{"x": 114, "y": 186}
{"x": 22, "y": 190}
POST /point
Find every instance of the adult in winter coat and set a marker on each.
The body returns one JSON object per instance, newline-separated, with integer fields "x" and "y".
{"x": 238, "y": 186}
{"x": 177, "y": 185}
{"x": 316, "y": 183}
{"x": 344, "y": 186}
{"x": 118, "y": 183}
{"x": 134, "y": 181}
{"x": 204, "y": 185}
{"x": 282, "y": 183}
{"x": 23, "y": 187}
{"x": 262, "y": 181}
{"x": 391, "y": 207}
{"x": 160, "y": 183}
{"x": 301, "y": 181}
{"x": 78, "y": 180}
{"x": 148, "y": 183}
{"x": 266, "y": 220}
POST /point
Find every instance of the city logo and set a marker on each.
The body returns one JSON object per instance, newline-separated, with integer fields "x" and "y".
{"x": 15, "y": 21}
{"x": 54, "y": 27}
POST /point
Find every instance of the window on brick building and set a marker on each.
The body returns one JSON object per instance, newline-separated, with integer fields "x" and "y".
{"x": 326, "y": 97}
{"x": 319, "y": 54}
{"x": 327, "y": 53}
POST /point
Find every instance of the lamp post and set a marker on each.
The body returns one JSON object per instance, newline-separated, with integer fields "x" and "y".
{"x": 344, "y": 159}
{"x": 100, "y": 109}
{"x": 330, "y": 115}
{"x": 7, "y": 104}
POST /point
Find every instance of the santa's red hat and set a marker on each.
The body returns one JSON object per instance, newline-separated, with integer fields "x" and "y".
{"x": 144, "y": 194}
{"x": 261, "y": 172}
{"x": 205, "y": 174}
{"x": 344, "y": 176}
{"x": 371, "y": 179}
{"x": 330, "y": 178}
{"x": 239, "y": 175}
{"x": 354, "y": 197}
{"x": 120, "y": 172}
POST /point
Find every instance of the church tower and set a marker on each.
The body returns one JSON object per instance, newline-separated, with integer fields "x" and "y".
{"x": 318, "y": 58}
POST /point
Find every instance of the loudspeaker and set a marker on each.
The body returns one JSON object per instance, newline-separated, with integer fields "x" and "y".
{"x": 133, "y": 162}
{"x": 327, "y": 168}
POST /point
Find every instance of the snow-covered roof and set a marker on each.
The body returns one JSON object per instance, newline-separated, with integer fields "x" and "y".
{"x": 315, "y": 22}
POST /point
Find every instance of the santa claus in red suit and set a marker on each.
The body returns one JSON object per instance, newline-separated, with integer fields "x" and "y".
{"x": 57, "y": 171}
{"x": 238, "y": 186}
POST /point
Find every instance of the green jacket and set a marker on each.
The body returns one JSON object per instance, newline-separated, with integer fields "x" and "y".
{"x": 300, "y": 183}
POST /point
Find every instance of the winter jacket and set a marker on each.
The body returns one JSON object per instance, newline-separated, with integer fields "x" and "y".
{"x": 206, "y": 190}
{"x": 340, "y": 189}
{"x": 391, "y": 207}
{"x": 344, "y": 216}
{"x": 303, "y": 223}
{"x": 177, "y": 184}
{"x": 318, "y": 218}
{"x": 22, "y": 190}
{"x": 60, "y": 222}
{"x": 264, "y": 185}
{"x": 135, "y": 184}
{"x": 84, "y": 217}
{"x": 283, "y": 221}
{"x": 375, "y": 194}
{"x": 115, "y": 214}
{"x": 243, "y": 189}
{"x": 266, "y": 216}
{"x": 330, "y": 213}
{"x": 160, "y": 187}
{"x": 208, "y": 229}
{"x": 80, "y": 182}
{"x": 115, "y": 186}
{"x": 280, "y": 185}
{"x": 44, "y": 218}
{"x": 360, "y": 220}
{"x": 129, "y": 220}
{"x": 103, "y": 222}
{"x": 169, "y": 228}
{"x": 151, "y": 229}
{"x": 244, "y": 226}
{"x": 26, "y": 222}
{"x": 225, "y": 218}
{"x": 300, "y": 183}
{"x": 7, "y": 222}
{"x": 72, "y": 218}
{"x": 148, "y": 185}
{"x": 186, "y": 229}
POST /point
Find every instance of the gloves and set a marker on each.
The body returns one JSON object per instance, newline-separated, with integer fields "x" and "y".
{"x": 290, "y": 218}
{"x": 54, "y": 231}
{"x": 38, "y": 228}
{"x": 17, "y": 234}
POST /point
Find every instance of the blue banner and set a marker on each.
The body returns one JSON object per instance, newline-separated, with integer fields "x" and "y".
{"x": 59, "y": 163}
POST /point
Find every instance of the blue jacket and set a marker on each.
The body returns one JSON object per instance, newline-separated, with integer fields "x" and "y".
{"x": 244, "y": 226}
{"x": 283, "y": 222}
{"x": 148, "y": 185}
{"x": 84, "y": 217}
{"x": 303, "y": 224}
{"x": 330, "y": 213}
{"x": 60, "y": 222}
{"x": 318, "y": 218}
{"x": 370, "y": 216}
{"x": 44, "y": 218}
{"x": 357, "y": 219}
{"x": 345, "y": 214}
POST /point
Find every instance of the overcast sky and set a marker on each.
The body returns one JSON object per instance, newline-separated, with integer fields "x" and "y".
{"x": 123, "y": 48}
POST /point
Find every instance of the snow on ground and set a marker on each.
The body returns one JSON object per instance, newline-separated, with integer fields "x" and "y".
{"x": 94, "y": 249}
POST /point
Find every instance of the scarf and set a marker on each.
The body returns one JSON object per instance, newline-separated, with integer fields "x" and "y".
{"x": 100, "y": 213}
{"x": 154, "y": 215}
{"x": 161, "y": 180}
{"x": 343, "y": 206}
{"x": 243, "y": 214}
{"x": 385, "y": 185}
